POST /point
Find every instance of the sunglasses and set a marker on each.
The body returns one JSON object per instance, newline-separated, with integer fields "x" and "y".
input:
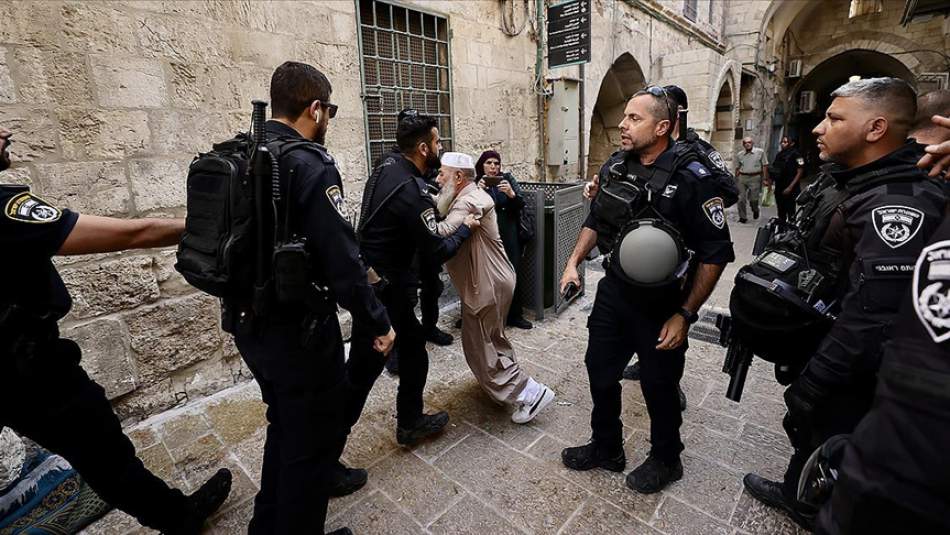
{"x": 660, "y": 92}
{"x": 331, "y": 108}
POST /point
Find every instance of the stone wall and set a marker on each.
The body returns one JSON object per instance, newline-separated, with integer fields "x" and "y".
{"x": 109, "y": 102}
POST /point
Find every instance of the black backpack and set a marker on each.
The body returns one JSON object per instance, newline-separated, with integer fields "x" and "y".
{"x": 218, "y": 252}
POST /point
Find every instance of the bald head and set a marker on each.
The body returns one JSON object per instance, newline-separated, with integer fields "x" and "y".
{"x": 891, "y": 98}
{"x": 924, "y": 130}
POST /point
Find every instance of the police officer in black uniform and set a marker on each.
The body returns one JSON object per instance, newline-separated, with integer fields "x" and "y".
{"x": 789, "y": 166}
{"x": 651, "y": 321}
{"x": 895, "y": 474}
{"x": 296, "y": 351}
{"x": 45, "y": 395}
{"x": 430, "y": 272}
{"x": 688, "y": 145}
{"x": 878, "y": 226}
{"x": 398, "y": 222}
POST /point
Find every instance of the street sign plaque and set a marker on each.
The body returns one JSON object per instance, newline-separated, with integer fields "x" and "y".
{"x": 569, "y": 33}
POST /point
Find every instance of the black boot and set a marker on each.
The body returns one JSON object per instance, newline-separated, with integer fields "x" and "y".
{"x": 654, "y": 475}
{"x": 632, "y": 372}
{"x": 770, "y": 493}
{"x": 592, "y": 455}
{"x": 203, "y": 503}
{"x": 347, "y": 480}
{"x": 438, "y": 336}
{"x": 341, "y": 531}
{"x": 426, "y": 426}
{"x": 682, "y": 398}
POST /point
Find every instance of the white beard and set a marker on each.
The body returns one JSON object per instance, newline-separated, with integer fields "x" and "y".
{"x": 445, "y": 198}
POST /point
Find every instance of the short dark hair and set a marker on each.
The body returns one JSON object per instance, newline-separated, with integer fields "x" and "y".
{"x": 662, "y": 108}
{"x": 892, "y": 97}
{"x": 678, "y": 95}
{"x": 294, "y": 86}
{"x": 933, "y": 103}
{"x": 414, "y": 129}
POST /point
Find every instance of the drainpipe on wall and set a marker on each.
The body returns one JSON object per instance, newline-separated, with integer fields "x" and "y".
{"x": 539, "y": 90}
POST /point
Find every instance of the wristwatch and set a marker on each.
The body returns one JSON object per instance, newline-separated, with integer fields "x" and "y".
{"x": 690, "y": 317}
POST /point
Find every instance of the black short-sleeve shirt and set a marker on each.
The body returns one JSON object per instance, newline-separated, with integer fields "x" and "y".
{"x": 31, "y": 232}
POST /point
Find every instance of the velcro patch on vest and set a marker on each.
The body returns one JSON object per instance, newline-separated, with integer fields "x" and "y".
{"x": 932, "y": 291}
{"x": 896, "y": 225}
{"x": 335, "y": 194}
{"x": 28, "y": 208}
{"x": 428, "y": 217}
{"x": 891, "y": 269}
{"x": 715, "y": 212}
{"x": 698, "y": 169}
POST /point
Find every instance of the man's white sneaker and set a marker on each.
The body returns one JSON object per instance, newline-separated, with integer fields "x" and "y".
{"x": 527, "y": 411}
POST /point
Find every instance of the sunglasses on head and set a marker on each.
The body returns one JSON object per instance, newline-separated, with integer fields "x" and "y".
{"x": 660, "y": 92}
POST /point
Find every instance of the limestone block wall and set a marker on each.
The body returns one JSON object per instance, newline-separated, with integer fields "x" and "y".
{"x": 110, "y": 101}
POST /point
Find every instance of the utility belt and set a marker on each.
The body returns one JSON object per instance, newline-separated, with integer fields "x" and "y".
{"x": 750, "y": 174}
{"x": 312, "y": 311}
{"x": 23, "y": 333}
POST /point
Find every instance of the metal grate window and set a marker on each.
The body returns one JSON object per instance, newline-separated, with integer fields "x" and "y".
{"x": 405, "y": 62}
{"x": 690, "y": 8}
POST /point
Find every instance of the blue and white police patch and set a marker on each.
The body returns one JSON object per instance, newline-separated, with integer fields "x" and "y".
{"x": 715, "y": 212}
{"x": 896, "y": 225}
{"x": 28, "y": 208}
{"x": 716, "y": 159}
{"x": 335, "y": 194}
{"x": 428, "y": 217}
{"x": 932, "y": 290}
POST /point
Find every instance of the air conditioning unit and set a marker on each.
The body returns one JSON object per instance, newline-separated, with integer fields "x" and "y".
{"x": 794, "y": 69}
{"x": 806, "y": 102}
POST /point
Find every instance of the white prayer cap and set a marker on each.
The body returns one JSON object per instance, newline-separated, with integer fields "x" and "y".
{"x": 458, "y": 160}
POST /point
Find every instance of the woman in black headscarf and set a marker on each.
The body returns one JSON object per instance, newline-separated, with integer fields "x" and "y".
{"x": 509, "y": 202}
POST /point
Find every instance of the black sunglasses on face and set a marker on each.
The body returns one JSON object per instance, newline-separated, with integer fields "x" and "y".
{"x": 330, "y": 107}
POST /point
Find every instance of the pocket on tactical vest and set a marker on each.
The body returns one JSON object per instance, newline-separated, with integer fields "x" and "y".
{"x": 883, "y": 282}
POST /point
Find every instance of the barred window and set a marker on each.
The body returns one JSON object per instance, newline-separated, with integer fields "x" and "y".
{"x": 405, "y": 62}
{"x": 690, "y": 8}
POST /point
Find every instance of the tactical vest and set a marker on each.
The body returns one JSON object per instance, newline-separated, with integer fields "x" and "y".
{"x": 625, "y": 206}
{"x": 785, "y": 301}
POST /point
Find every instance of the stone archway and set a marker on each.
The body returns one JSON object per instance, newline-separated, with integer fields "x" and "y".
{"x": 724, "y": 120}
{"x": 622, "y": 80}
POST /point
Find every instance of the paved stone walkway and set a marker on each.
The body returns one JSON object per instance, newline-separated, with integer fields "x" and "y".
{"x": 487, "y": 475}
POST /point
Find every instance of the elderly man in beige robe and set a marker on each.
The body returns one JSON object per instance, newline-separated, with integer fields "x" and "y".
{"x": 485, "y": 280}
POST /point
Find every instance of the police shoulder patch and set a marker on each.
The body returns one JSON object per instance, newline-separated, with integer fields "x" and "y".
{"x": 28, "y": 208}
{"x": 896, "y": 225}
{"x": 715, "y": 212}
{"x": 800, "y": 161}
{"x": 716, "y": 159}
{"x": 428, "y": 218}
{"x": 335, "y": 195}
{"x": 931, "y": 289}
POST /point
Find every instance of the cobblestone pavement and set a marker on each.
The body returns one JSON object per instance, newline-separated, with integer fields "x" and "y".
{"x": 488, "y": 475}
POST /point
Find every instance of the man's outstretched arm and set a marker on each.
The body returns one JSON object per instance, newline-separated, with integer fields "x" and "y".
{"x": 97, "y": 234}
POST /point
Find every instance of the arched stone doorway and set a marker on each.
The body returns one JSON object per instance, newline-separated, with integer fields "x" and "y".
{"x": 824, "y": 79}
{"x": 620, "y": 83}
{"x": 724, "y": 124}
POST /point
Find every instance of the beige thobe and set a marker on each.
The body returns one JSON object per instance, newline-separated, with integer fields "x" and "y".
{"x": 485, "y": 281}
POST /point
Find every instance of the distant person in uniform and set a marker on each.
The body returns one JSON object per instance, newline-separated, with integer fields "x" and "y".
{"x": 752, "y": 172}
{"x": 789, "y": 167}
